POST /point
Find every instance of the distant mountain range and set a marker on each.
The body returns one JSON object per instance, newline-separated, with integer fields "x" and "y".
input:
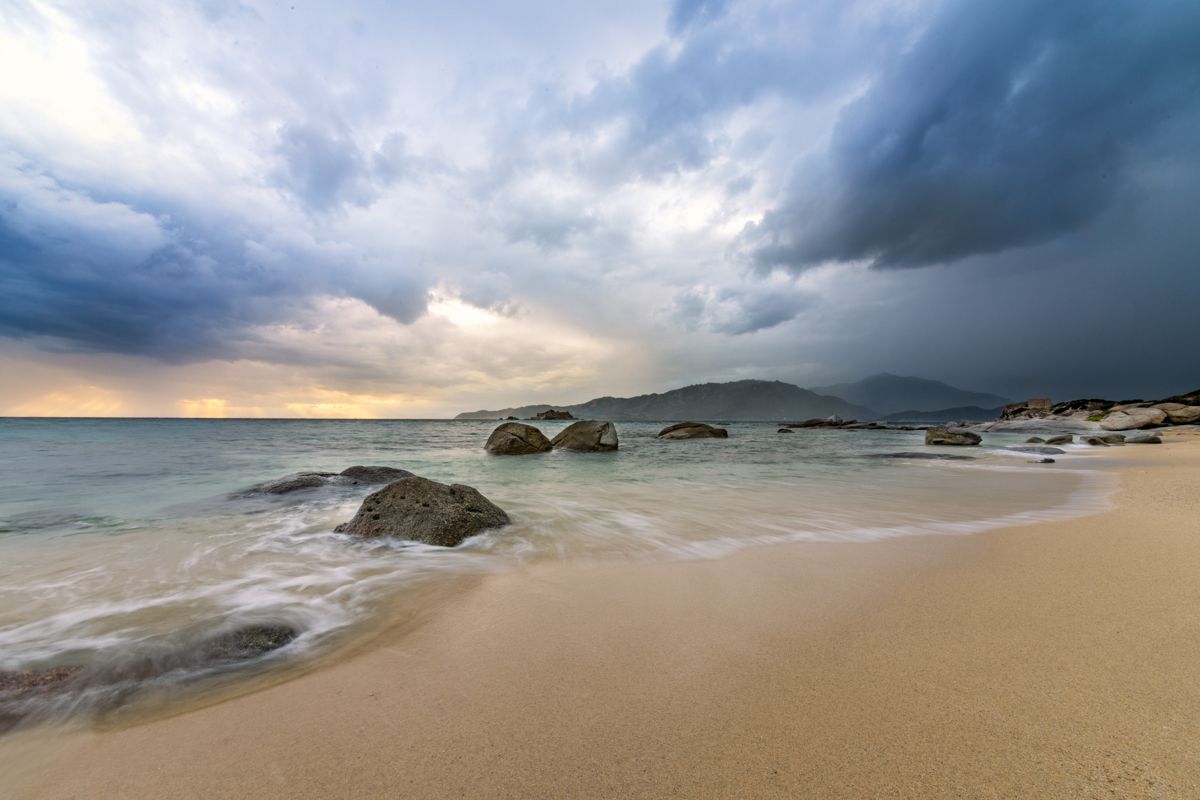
{"x": 888, "y": 394}
{"x": 739, "y": 400}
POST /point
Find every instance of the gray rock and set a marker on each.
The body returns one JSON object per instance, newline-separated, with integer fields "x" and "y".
{"x": 587, "y": 436}
{"x": 1039, "y": 449}
{"x": 785, "y": 430}
{"x": 516, "y": 439}
{"x": 1035, "y": 440}
{"x": 1062, "y": 438}
{"x": 1133, "y": 418}
{"x": 1112, "y": 438}
{"x": 374, "y": 474}
{"x": 1095, "y": 441}
{"x": 944, "y": 436}
{"x": 692, "y": 430}
{"x": 1144, "y": 438}
{"x": 293, "y": 483}
{"x": 1043, "y": 461}
{"x": 1180, "y": 414}
{"x": 422, "y": 510}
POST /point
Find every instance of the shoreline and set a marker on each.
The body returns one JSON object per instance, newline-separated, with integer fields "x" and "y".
{"x": 1047, "y": 660}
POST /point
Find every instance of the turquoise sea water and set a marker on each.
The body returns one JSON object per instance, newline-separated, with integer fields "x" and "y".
{"x": 122, "y": 536}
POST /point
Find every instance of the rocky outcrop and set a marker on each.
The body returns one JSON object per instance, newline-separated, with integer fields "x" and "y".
{"x": 421, "y": 510}
{"x": 820, "y": 422}
{"x": 552, "y": 414}
{"x": 945, "y": 436}
{"x": 1133, "y": 418}
{"x": 517, "y": 439}
{"x": 351, "y": 476}
{"x": 587, "y": 436}
{"x": 1179, "y": 414}
{"x": 692, "y": 430}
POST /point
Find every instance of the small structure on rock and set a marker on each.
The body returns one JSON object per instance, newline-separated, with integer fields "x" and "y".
{"x": 692, "y": 430}
{"x": 552, "y": 414}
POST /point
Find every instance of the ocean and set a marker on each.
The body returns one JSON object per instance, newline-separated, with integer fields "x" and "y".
{"x": 122, "y": 540}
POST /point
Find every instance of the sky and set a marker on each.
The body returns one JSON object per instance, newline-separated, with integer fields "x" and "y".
{"x": 386, "y": 209}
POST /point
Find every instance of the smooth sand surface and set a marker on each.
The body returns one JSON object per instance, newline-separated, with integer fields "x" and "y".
{"x": 1054, "y": 660}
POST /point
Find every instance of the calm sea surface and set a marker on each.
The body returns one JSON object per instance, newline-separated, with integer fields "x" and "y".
{"x": 117, "y": 536}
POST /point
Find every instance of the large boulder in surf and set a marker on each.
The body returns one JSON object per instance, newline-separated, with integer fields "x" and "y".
{"x": 692, "y": 430}
{"x": 422, "y": 510}
{"x": 516, "y": 439}
{"x": 1180, "y": 414}
{"x": 374, "y": 474}
{"x": 587, "y": 436}
{"x": 945, "y": 436}
{"x": 1133, "y": 418}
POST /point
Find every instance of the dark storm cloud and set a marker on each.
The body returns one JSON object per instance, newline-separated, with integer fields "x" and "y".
{"x": 109, "y": 277}
{"x": 1006, "y": 125}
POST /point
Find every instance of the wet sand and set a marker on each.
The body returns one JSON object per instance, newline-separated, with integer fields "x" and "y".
{"x": 1051, "y": 660}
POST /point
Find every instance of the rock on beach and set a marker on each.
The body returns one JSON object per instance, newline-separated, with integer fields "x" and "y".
{"x": 420, "y": 510}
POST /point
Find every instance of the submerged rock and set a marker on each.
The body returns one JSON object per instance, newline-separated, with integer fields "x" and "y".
{"x": 785, "y": 430}
{"x": 421, "y": 510}
{"x": 945, "y": 436}
{"x": 1133, "y": 418}
{"x": 1039, "y": 449}
{"x": 515, "y": 439}
{"x": 293, "y": 483}
{"x": 926, "y": 456}
{"x": 587, "y": 436}
{"x": 351, "y": 476}
{"x": 374, "y": 474}
{"x": 692, "y": 430}
{"x": 245, "y": 643}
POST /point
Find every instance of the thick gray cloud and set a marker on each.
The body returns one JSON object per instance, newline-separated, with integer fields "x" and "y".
{"x": 1006, "y": 125}
{"x": 691, "y": 190}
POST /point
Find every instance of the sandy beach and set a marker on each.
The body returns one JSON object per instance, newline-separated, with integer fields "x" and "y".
{"x": 1051, "y": 660}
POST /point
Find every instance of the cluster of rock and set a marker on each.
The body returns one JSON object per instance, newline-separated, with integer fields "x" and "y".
{"x": 517, "y": 438}
{"x": 1091, "y": 414}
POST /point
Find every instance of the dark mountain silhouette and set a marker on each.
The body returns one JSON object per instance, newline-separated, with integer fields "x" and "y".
{"x": 888, "y": 394}
{"x": 739, "y": 400}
